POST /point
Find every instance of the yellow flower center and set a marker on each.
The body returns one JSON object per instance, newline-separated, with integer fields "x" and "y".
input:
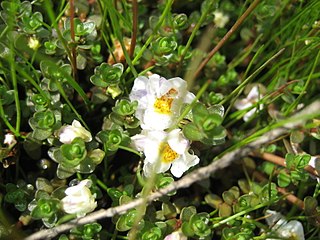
{"x": 164, "y": 103}
{"x": 167, "y": 154}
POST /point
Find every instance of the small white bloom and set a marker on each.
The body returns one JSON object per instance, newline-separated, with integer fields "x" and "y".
{"x": 159, "y": 100}
{"x": 286, "y": 230}
{"x": 67, "y": 133}
{"x": 220, "y": 19}
{"x": 79, "y": 199}
{"x": 10, "y": 140}
{"x": 164, "y": 151}
{"x": 307, "y": 42}
{"x": 315, "y": 163}
{"x": 177, "y": 235}
{"x": 253, "y": 97}
{"x": 33, "y": 43}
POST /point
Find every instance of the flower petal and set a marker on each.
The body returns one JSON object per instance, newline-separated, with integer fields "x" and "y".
{"x": 254, "y": 93}
{"x": 177, "y": 141}
{"x": 183, "y": 164}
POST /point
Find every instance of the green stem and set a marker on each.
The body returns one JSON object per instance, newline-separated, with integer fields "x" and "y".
{"x": 227, "y": 36}
{"x": 73, "y": 47}
{"x": 102, "y": 185}
{"x": 115, "y": 22}
{"x": 55, "y": 25}
{"x": 151, "y": 37}
{"x": 193, "y": 34}
{"x": 6, "y": 122}
{"x": 14, "y": 81}
{"x": 248, "y": 79}
{"x": 79, "y": 176}
{"x": 228, "y": 219}
{"x": 190, "y": 106}
{"x": 130, "y": 150}
{"x": 304, "y": 90}
{"x": 4, "y": 32}
{"x": 63, "y": 94}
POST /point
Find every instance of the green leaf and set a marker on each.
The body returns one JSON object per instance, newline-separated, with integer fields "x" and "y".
{"x": 192, "y": 132}
{"x": 45, "y": 208}
{"x": 187, "y": 229}
{"x": 225, "y": 210}
{"x": 283, "y": 179}
{"x": 106, "y": 75}
{"x": 152, "y": 234}
{"x": 290, "y": 160}
{"x": 114, "y": 194}
{"x": 199, "y": 114}
{"x": 164, "y": 45}
{"x": 199, "y": 223}
{"x": 63, "y": 172}
{"x": 213, "y": 200}
{"x": 180, "y": 21}
{"x": 126, "y": 221}
{"x": 169, "y": 210}
{"x": 228, "y": 197}
{"x": 73, "y": 153}
{"x": 303, "y": 161}
{"x": 187, "y": 212}
{"x": 211, "y": 121}
{"x": 268, "y": 192}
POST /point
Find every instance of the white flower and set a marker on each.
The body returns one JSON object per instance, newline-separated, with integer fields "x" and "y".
{"x": 253, "y": 97}
{"x": 67, "y": 133}
{"x": 79, "y": 199}
{"x": 163, "y": 151}
{"x": 159, "y": 100}
{"x": 286, "y": 230}
{"x": 10, "y": 140}
{"x": 220, "y": 19}
{"x": 177, "y": 235}
{"x": 33, "y": 43}
{"x": 315, "y": 163}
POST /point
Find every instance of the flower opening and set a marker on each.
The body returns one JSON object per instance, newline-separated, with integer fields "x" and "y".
{"x": 164, "y": 151}
{"x": 159, "y": 100}
{"x": 163, "y": 105}
{"x": 167, "y": 154}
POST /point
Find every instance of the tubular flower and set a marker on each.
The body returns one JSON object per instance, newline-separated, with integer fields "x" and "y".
{"x": 164, "y": 151}
{"x": 68, "y": 133}
{"x": 159, "y": 100}
{"x": 79, "y": 199}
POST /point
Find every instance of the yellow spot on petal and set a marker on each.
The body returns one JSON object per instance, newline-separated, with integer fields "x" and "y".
{"x": 172, "y": 92}
{"x": 167, "y": 154}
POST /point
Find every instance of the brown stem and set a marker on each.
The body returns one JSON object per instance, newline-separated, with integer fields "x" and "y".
{"x": 73, "y": 42}
{"x": 227, "y": 36}
{"x": 134, "y": 27}
{"x": 289, "y": 197}
{"x": 281, "y": 161}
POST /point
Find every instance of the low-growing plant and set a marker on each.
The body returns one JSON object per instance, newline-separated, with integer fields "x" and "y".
{"x": 159, "y": 120}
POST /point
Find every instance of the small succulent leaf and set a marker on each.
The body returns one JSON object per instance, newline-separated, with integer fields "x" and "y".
{"x": 192, "y": 132}
{"x": 187, "y": 212}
